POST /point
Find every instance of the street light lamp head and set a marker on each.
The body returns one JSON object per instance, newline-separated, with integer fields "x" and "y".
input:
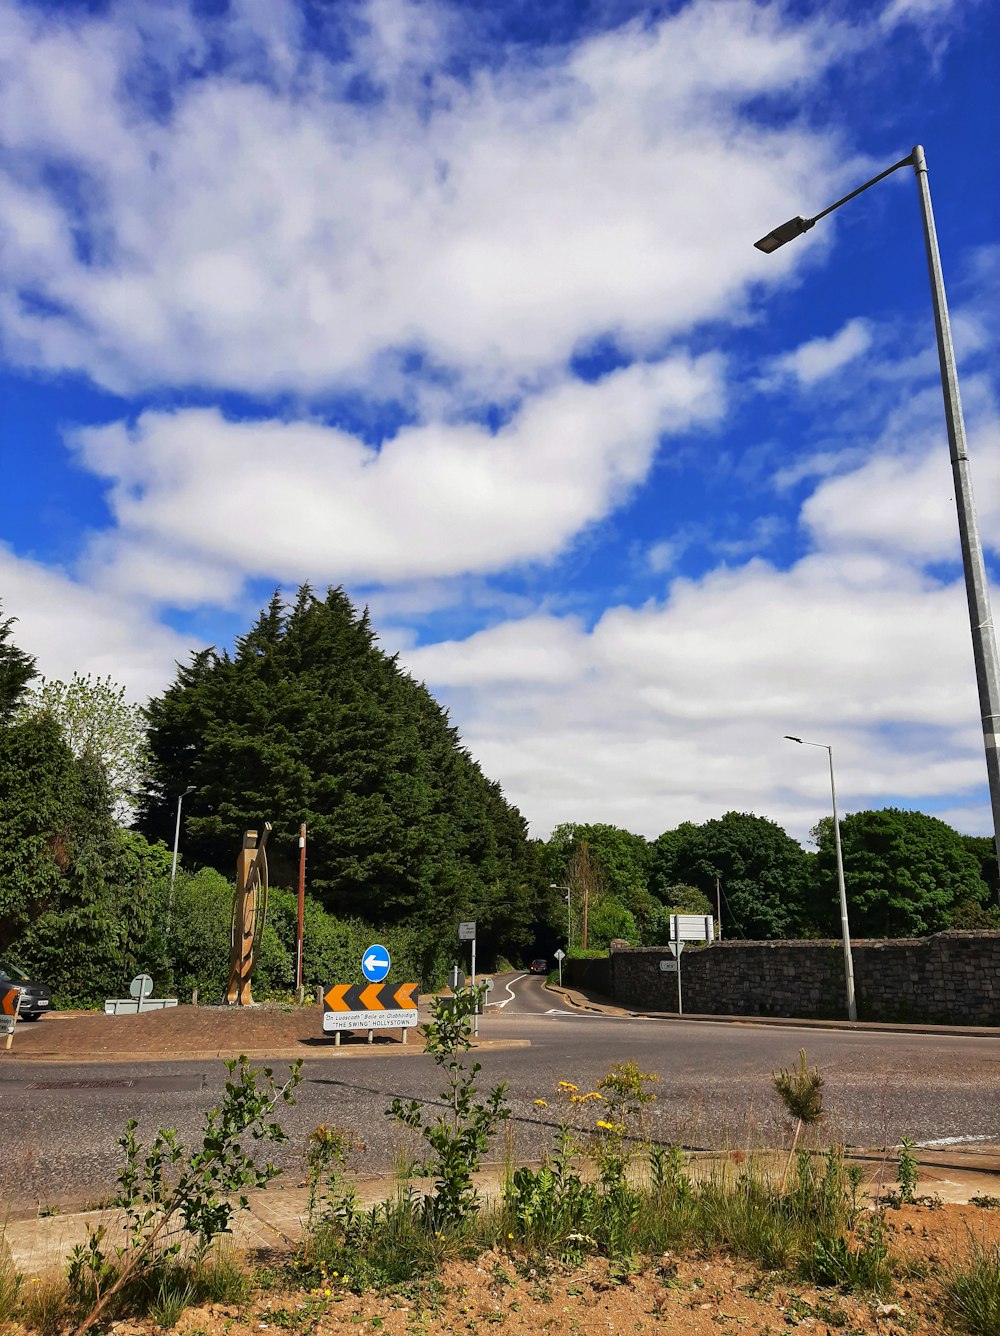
{"x": 789, "y": 738}
{"x": 786, "y": 232}
{"x": 191, "y": 788}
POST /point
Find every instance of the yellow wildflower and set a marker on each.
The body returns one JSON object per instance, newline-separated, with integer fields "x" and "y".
{"x": 541, "y": 1103}
{"x": 568, "y": 1085}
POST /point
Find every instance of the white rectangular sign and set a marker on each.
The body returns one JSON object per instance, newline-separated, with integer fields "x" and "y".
{"x": 467, "y": 932}
{"x": 692, "y": 928}
{"x": 369, "y": 1020}
{"x": 668, "y": 966}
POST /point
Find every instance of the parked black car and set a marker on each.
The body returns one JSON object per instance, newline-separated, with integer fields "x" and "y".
{"x": 36, "y": 999}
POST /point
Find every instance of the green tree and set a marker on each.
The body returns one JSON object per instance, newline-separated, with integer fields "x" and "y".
{"x": 763, "y": 872}
{"x": 17, "y": 669}
{"x": 96, "y": 720}
{"x": 904, "y": 873}
{"x": 40, "y": 801}
{"x": 984, "y": 849}
{"x": 308, "y": 720}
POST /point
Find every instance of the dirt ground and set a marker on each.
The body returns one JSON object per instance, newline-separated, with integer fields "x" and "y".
{"x": 692, "y": 1297}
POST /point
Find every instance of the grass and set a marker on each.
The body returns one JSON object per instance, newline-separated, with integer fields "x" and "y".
{"x": 973, "y": 1291}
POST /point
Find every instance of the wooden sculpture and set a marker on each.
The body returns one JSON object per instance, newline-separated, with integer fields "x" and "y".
{"x": 249, "y": 913}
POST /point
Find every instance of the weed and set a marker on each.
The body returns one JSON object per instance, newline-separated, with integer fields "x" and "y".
{"x": 10, "y": 1281}
{"x": 456, "y": 1143}
{"x": 44, "y": 1305}
{"x": 907, "y": 1173}
{"x": 222, "y": 1278}
{"x": 861, "y": 1265}
{"x": 973, "y": 1291}
{"x": 985, "y": 1202}
{"x": 801, "y": 1092}
{"x": 327, "y": 1152}
{"x": 200, "y": 1196}
{"x": 173, "y": 1295}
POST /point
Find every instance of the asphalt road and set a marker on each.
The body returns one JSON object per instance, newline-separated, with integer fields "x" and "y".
{"x": 59, "y": 1124}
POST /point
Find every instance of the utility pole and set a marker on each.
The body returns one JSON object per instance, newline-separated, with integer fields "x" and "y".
{"x": 301, "y": 923}
{"x": 718, "y": 904}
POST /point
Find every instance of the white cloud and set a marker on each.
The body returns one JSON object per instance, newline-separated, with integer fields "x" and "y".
{"x": 300, "y": 500}
{"x": 819, "y": 358}
{"x": 266, "y": 236}
{"x": 677, "y": 710}
{"x": 70, "y": 627}
{"x": 902, "y": 497}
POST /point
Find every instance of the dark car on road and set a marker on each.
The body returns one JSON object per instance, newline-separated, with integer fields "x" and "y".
{"x": 36, "y": 999}
{"x": 538, "y": 967}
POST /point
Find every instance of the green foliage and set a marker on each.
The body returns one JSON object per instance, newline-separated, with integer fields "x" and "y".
{"x": 907, "y": 1171}
{"x": 858, "y": 1263}
{"x": 973, "y": 1290}
{"x": 108, "y": 901}
{"x": 200, "y": 940}
{"x": 458, "y": 1140}
{"x": 763, "y": 871}
{"x": 41, "y": 798}
{"x": 310, "y": 721}
{"x": 904, "y": 872}
{"x": 97, "y": 721}
{"x": 166, "y": 1184}
{"x": 800, "y": 1090}
{"x": 17, "y": 669}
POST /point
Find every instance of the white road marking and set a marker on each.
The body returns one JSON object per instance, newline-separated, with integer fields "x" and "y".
{"x": 508, "y": 986}
{"x": 593, "y": 1015}
{"x": 954, "y": 1141}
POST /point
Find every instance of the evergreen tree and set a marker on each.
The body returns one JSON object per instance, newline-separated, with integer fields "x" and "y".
{"x": 308, "y": 720}
{"x": 17, "y": 669}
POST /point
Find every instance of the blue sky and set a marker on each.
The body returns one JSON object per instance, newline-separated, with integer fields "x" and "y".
{"x": 461, "y": 310}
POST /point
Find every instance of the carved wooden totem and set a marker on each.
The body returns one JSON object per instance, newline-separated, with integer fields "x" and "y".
{"x": 249, "y": 913}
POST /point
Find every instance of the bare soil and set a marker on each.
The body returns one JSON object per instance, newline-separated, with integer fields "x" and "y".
{"x": 692, "y": 1297}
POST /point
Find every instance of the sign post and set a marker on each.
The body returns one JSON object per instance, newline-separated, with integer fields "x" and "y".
{"x": 10, "y": 1008}
{"x": 467, "y": 933}
{"x": 369, "y": 1006}
{"x": 560, "y": 956}
{"x": 676, "y": 948}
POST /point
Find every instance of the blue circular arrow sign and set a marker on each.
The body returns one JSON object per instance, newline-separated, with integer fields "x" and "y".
{"x": 375, "y": 964}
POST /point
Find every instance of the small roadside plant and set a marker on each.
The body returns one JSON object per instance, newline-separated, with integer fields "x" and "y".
{"x": 330, "y": 1198}
{"x": 907, "y": 1173}
{"x": 456, "y": 1141}
{"x": 168, "y": 1188}
{"x": 973, "y": 1291}
{"x": 801, "y": 1092}
{"x": 10, "y": 1280}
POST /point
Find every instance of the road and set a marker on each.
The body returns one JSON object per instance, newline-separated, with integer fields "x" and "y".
{"x": 58, "y": 1145}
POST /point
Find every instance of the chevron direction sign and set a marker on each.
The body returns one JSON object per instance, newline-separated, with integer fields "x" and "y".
{"x": 370, "y": 1006}
{"x": 10, "y": 1002}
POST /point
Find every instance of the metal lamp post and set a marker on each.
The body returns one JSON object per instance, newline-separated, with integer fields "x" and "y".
{"x": 977, "y": 590}
{"x": 177, "y": 839}
{"x": 845, "y": 929}
{"x": 569, "y": 911}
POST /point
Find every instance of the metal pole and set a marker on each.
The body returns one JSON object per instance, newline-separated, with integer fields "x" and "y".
{"x": 852, "y": 1009}
{"x": 300, "y": 923}
{"x": 173, "y": 868}
{"x": 718, "y": 903}
{"x": 569, "y": 919}
{"x": 475, "y": 1013}
{"x": 984, "y": 645}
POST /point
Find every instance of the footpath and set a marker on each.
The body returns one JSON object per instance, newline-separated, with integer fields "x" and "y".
{"x": 276, "y": 1216}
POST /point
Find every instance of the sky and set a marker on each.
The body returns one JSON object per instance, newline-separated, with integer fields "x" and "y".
{"x": 457, "y": 306}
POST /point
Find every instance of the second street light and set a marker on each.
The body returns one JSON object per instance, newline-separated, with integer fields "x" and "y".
{"x": 845, "y": 927}
{"x": 984, "y": 643}
{"x": 177, "y": 839}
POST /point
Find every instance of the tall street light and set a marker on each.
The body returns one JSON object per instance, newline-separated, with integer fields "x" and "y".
{"x": 569, "y": 911}
{"x": 177, "y": 839}
{"x": 984, "y": 643}
{"x": 845, "y": 930}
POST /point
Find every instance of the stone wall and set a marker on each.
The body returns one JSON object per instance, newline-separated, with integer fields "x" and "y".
{"x": 951, "y": 978}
